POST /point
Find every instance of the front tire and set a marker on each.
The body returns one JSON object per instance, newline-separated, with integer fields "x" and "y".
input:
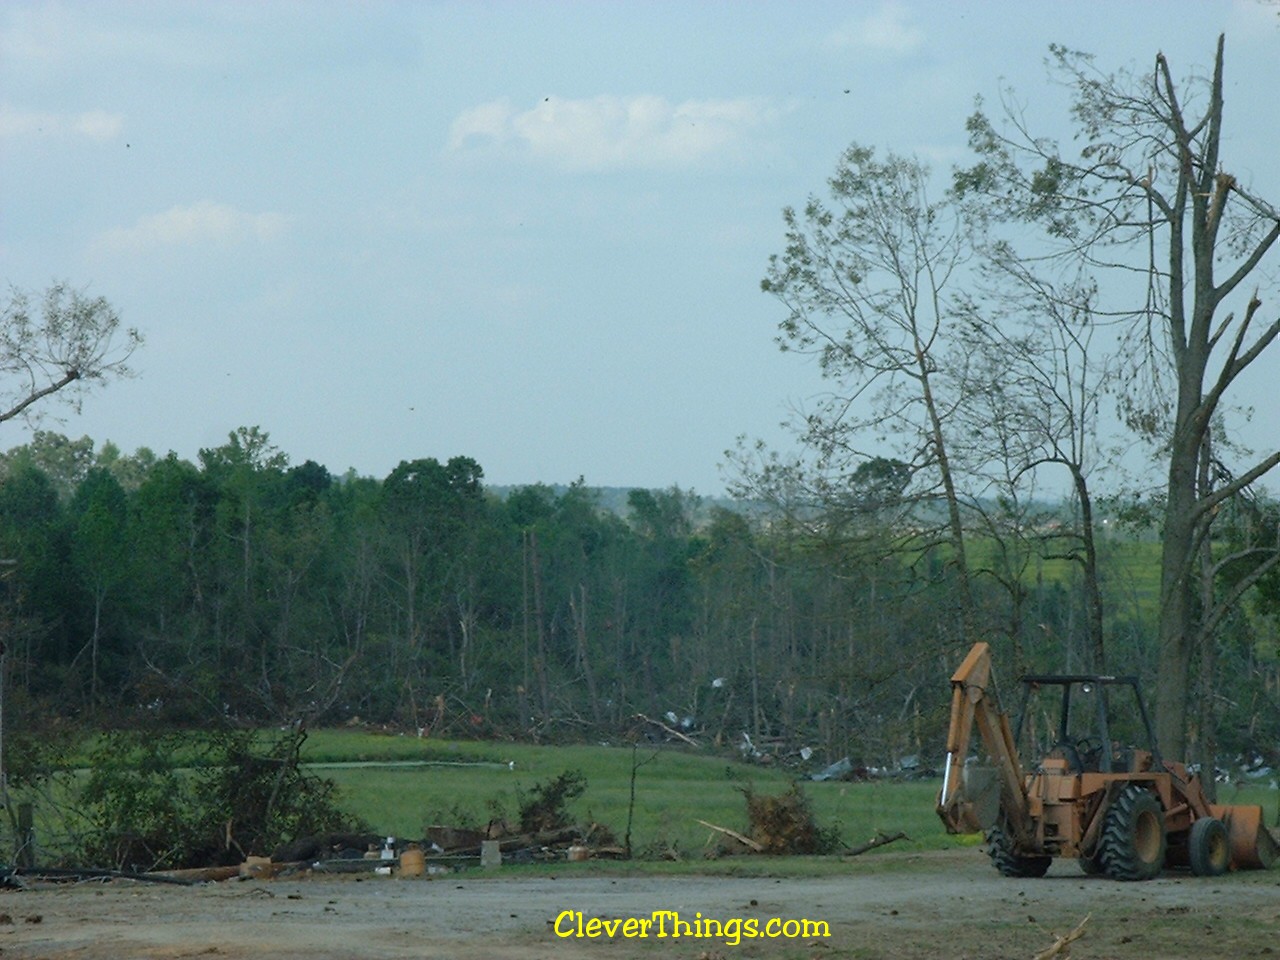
{"x": 1208, "y": 848}
{"x": 1010, "y": 864}
{"x": 1133, "y": 842}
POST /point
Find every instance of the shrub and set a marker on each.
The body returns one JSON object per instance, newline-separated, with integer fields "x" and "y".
{"x": 149, "y": 808}
{"x": 543, "y": 808}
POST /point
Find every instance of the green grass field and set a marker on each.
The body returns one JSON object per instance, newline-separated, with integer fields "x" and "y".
{"x": 1129, "y": 570}
{"x": 468, "y": 783}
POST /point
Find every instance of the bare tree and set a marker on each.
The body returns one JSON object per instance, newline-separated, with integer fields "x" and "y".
{"x": 1035, "y": 382}
{"x": 66, "y": 344}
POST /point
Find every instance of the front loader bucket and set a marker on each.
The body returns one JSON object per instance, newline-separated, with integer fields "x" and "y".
{"x": 1252, "y": 847}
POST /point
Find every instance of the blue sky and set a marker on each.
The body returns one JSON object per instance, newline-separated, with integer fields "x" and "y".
{"x": 529, "y": 233}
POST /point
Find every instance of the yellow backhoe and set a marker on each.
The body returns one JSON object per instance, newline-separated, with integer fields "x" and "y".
{"x": 1120, "y": 809}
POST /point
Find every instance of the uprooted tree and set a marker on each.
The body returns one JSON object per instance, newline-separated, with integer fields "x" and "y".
{"x": 1151, "y": 208}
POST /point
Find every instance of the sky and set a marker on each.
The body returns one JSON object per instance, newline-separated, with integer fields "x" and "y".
{"x": 531, "y": 233}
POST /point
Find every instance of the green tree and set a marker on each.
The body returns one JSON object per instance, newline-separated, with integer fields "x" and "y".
{"x": 64, "y": 461}
{"x": 428, "y": 508}
{"x": 868, "y": 283}
{"x": 63, "y": 346}
{"x": 34, "y": 534}
{"x": 100, "y": 553}
{"x": 175, "y": 596}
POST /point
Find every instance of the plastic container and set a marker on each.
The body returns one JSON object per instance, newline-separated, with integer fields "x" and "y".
{"x": 413, "y": 862}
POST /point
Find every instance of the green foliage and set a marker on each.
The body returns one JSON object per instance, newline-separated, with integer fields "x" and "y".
{"x": 138, "y": 807}
{"x": 239, "y": 796}
{"x": 544, "y": 807}
{"x": 249, "y": 590}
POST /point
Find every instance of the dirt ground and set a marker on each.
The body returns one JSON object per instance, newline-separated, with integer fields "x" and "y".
{"x": 893, "y": 906}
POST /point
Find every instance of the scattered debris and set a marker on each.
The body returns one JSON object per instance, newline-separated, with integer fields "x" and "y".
{"x": 837, "y": 771}
{"x": 325, "y": 846}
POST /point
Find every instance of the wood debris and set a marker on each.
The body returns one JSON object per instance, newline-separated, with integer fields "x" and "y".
{"x": 1061, "y": 947}
{"x": 757, "y": 847}
{"x": 879, "y": 841}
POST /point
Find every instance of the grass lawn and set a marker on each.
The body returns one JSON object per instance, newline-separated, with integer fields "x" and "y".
{"x": 468, "y": 783}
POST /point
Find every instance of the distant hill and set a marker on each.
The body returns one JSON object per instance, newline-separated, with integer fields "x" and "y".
{"x": 614, "y": 499}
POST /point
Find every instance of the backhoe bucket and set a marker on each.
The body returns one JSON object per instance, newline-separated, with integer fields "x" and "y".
{"x": 974, "y": 806}
{"x": 1252, "y": 847}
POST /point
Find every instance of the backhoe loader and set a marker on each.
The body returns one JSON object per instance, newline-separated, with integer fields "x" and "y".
{"x": 1119, "y": 808}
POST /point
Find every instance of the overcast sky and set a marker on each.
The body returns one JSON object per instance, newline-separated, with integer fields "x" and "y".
{"x": 530, "y": 233}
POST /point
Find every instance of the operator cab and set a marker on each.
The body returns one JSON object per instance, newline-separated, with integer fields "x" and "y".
{"x": 1069, "y": 718}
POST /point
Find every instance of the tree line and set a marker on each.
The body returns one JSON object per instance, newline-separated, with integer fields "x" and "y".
{"x": 241, "y": 590}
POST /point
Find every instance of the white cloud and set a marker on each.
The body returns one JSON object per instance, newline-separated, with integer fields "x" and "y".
{"x": 609, "y": 132}
{"x": 201, "y": 223}
{"x": 95, "y": 124}
{"x": 887, "y": 31}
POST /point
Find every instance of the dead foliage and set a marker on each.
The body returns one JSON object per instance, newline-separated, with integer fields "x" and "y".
{"x": 784, "y": 824}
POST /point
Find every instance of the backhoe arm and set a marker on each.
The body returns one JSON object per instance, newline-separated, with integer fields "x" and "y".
{"x": 973, "y": 701}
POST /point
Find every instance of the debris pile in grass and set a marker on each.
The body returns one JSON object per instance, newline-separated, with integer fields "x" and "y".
{"x": 544, "y": 830}
{"x": 784, "y": 823}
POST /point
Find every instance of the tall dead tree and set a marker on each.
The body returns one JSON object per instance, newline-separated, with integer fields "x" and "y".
{"x": 1149, "y": 198}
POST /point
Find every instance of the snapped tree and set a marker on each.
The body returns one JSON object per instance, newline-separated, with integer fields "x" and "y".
{"x": 1150, "y": 208}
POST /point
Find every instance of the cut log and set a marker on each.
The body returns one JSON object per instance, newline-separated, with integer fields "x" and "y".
{"x": 77, "y": 873}
{"x": 199, "y": 874}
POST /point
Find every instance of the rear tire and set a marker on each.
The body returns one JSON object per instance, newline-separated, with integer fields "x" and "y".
{"x": 1010, "y": 864}
{"x": 1133, "y": 842}
{"x": 1208, "y": 848}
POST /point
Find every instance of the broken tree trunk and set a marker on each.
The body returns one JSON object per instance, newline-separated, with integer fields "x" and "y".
{"x": 669, "y": 730}
{"x": 880, "y": 840}
{"x": 757, "y": 847}
{"x": 543, "y": 838}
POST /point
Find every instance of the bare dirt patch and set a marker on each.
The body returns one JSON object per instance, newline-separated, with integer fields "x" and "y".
{"x": 893, "y": 906}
